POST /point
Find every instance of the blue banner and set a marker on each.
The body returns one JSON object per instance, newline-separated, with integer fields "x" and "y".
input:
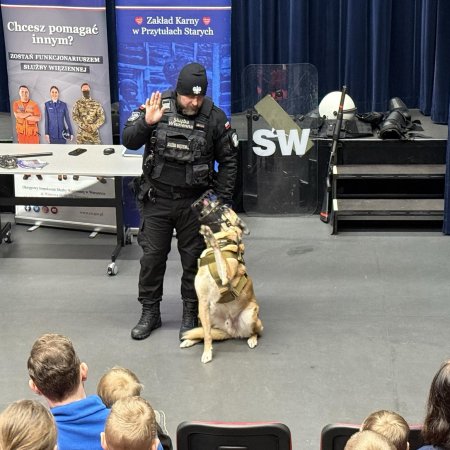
{"x": 156, "y": 39}
{"x": 154, "y": 42}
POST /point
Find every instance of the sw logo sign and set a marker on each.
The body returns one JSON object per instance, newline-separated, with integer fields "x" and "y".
{"x": 292, "y": 142}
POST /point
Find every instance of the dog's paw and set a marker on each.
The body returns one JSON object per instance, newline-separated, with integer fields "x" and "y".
{"x": 188, "y": 343}
{"x": 252, "y": 341}
{"x": 207, "y": 356}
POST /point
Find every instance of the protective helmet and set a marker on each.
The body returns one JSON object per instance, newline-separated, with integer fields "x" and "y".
{"x": 65, "y": 134}
{"x": 329, "y": 106}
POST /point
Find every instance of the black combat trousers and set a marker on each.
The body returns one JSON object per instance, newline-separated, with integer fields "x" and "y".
{"x": 158, "y": 220}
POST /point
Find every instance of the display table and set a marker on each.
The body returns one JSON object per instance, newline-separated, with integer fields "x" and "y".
{"x": 91, "y": 163}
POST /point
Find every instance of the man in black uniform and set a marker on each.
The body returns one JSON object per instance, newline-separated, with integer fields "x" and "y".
{"x": 184, "y": 134}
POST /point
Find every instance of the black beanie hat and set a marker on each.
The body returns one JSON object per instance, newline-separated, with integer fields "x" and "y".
{"x": 192, "y": 80}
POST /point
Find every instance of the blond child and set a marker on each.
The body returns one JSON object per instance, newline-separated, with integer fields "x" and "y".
{"x": 130, "y": 426}
{"x": 391, "y": 425}
{"x": 368, "y": 440}
{"x": 27, "y": 424}
{"x": 118, "y": 383}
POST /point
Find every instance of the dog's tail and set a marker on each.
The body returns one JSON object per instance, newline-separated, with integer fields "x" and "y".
{"x": 198, "y": 333}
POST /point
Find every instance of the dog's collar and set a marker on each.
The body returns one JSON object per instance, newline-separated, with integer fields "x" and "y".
{"x": 216, "y": 225}
{"x": 227, "y": 238}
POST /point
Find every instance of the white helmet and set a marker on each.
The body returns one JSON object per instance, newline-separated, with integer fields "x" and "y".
{"x": 329, "y": 106}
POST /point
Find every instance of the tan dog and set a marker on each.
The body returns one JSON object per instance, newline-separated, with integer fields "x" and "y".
{"x": 227, "y": 303}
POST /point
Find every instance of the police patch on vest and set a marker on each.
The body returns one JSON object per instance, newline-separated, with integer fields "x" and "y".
{"x": 179, "y": 122}
{"x": 134, "y": 116}
{"x": 177, "y": 145}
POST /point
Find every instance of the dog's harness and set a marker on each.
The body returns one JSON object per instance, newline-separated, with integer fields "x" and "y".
{"x": 230, "y": 248}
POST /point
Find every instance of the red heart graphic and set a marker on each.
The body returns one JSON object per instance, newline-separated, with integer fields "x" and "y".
{"x": 139, "y": 20}
{"x": 206, "y": 20}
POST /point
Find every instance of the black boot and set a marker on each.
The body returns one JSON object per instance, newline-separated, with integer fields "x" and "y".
{"x": 190, "y": 315}
{"x": 149, "y": 321}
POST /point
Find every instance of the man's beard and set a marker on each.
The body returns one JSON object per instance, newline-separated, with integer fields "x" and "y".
{"x": 187, "y": 110}
{"x": 190, "y": 111}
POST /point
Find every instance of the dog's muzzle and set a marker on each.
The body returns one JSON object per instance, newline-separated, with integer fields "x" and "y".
{"x": 209, "y": 209}
{"x": 212, "y": 212}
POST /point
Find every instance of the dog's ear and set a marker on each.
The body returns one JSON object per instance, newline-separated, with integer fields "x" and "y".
{"x": 242, "y": 225}
{"x": 235, "y": 220}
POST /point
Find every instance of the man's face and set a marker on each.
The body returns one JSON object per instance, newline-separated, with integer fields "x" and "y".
{"x": 85, "y": 90}
{"x": 24, "y": 94}
{"x": 190, "y": 105}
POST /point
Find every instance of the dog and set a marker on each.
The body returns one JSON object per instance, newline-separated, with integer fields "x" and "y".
{"x": 226, "y": 300}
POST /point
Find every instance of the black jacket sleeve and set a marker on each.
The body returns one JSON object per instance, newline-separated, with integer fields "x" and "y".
{"x": 136, "y": 132}
{"x": 166, "y": 442}
{"x": 225, "y": 153}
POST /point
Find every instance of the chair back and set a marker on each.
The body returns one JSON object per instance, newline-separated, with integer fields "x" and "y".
{"x": 334, "y": 436}
{"x": 415, "y": 437}
{"x": 233, "y": 436}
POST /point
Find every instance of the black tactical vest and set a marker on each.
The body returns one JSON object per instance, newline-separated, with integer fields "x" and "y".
{"x": 181, "y": 147}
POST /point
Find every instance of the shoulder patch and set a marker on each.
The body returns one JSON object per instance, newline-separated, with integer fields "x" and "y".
{"x": 134, "y": 116}
{"x": 227, "y": 126}
{"x": 235, "y": 140}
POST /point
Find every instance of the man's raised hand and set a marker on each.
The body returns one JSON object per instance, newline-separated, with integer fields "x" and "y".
{"x": 153, "y": 108}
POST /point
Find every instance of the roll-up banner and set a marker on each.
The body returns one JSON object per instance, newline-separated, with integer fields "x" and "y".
{"x": 52, "y": 48}
{"x": 156, "y": 39}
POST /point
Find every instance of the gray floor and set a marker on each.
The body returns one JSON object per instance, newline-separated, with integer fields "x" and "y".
{"x": 353, "y": 323}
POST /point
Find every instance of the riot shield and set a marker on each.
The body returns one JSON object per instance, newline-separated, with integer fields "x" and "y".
{"x": 279, "y": 162}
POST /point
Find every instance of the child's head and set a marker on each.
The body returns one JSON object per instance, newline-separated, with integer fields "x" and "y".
{"x": 27, "y": 425}
{"x": 131, "y": 425}
{"x": 118, "y": 383}
{"x": 54, "y": 367}
{"x": 368, "y": 440}
{"x": 391, "y": 425}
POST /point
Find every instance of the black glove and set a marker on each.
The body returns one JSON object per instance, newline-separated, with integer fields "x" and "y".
{"x": 371, "y": 117}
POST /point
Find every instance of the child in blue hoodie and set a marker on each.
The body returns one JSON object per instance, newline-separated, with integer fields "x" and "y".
{"x": 57, "y": 374}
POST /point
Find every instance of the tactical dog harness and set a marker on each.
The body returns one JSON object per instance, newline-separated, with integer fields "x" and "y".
{"x": 230, "y": 248}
